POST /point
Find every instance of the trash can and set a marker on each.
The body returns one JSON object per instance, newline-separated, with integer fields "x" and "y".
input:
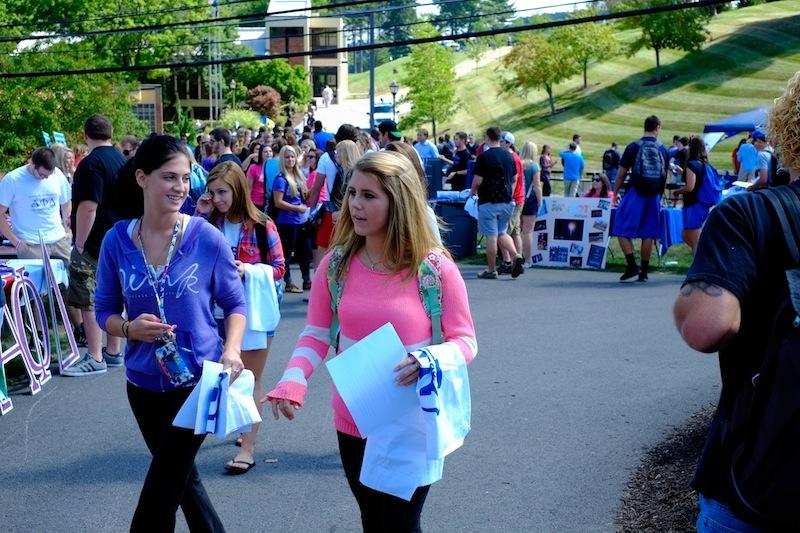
{"x": 460, "y": 234}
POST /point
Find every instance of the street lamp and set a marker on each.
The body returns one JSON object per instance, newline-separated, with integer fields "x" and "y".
{"x": 233, "y": 91}
{"x": 393, "y": 88}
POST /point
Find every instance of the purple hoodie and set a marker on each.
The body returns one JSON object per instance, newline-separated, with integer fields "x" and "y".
{"x": 201, "y": 272}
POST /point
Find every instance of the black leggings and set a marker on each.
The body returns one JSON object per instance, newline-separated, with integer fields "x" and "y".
{"x": 294, "y": 239}
{"x": 172, "y": 479}
{"x": 380, "y": 512}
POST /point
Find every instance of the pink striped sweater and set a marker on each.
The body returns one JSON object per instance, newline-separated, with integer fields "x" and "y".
{"x": 370, "y": 300}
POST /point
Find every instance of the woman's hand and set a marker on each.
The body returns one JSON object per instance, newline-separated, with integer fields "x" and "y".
{"x": 204, "y": 205}
{"x": 239, "y": 268}
{"x": 407, "y": 371}
{"x": 281, "y": 405}
{"x": 232, "y": 359}
{"x": 147, "y": 328}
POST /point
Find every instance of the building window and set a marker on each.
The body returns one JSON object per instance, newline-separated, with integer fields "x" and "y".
{"x": 322, "y": 76}
{"x": 322, "y": 38}
{"x": 147, "y": 113}
{"x": 283, "y": 40}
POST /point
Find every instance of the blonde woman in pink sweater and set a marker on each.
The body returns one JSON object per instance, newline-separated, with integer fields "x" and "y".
{"x": 383, "y": 236}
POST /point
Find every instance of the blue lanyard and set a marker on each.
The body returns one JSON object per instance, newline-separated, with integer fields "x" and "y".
{"x": 157, "y": 281}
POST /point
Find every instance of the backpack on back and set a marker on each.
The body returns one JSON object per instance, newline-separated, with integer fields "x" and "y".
{"x": 429, "y": 284}
{"x": 648, "y": 175}
{"x": 710, "y": 192}
{"x": 764, "y": 434}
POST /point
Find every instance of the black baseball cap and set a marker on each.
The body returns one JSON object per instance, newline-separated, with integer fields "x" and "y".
{"x": 390, "y": 127}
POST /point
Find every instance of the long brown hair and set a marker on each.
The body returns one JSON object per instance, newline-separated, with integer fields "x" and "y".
{"x": 409, "y": 153}
{"x": 242, "y": 207}
{"x": 409, "y": 237}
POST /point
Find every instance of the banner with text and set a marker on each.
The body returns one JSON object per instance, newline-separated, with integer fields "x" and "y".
{"x": 571, "y": 232}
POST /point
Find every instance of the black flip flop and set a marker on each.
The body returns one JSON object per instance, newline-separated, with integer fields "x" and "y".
{"x": 236, "y": 471}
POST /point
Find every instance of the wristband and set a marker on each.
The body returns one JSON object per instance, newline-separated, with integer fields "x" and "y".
{"x": 126, "y": 324}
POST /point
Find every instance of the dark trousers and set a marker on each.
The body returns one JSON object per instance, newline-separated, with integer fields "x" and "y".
{"x": 380, "y": 512}
{"x": 172, "y": 479}
{"x": 294, "y": 240}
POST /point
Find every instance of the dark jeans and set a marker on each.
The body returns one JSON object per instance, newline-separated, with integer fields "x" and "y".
{"x": 546, "y": 188}
{"x": 380, "y": 512}
{"x": 294, "y": 240}
{"x": 172, "y": 479}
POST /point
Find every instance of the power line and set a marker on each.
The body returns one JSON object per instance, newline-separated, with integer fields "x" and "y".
{"x": 176, "y": 24}
{"x": 326, "y": 32}
{"x": 407, "y": 42}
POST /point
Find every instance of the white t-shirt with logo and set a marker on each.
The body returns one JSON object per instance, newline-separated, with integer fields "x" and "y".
{"x": 35, "y": 204}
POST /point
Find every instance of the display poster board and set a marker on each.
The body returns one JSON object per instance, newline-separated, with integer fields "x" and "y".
{"x": 571, "y": 232}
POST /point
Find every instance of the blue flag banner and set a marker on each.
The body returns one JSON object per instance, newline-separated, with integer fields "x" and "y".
{"x": 59, "y": 138}
{"x": 47, "y": 140}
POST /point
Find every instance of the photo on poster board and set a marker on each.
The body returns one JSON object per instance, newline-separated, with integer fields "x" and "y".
{"x": 575, "y": 249}
{"x": 540, "y": 225}
{"x": 597, "y": 213}
{"x": 536, "y": 258}
{"x": 568, "y": 229}
{"x": 599, "y": 225}
{"x": 559, "y": 254}
{"x": 541, "y": 242}
{"x": 596, "y": 236}
{"x": 604, "y": 204}
{"x": 576, "y": 261}
{"x": 596, "y": 255}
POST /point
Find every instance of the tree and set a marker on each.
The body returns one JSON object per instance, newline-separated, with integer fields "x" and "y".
{"x": 395, "y": 25}
{"x": 289, "y": 80}
{"x": 475, "y": 47}
{"x": 265, "y": 100}
{"x": 452, "y": 16}
{"x": 537, "y": 63}
{"x": 587, "y": 43}
{"x": 430, "y": 78}
{"x": 675, "y": 30}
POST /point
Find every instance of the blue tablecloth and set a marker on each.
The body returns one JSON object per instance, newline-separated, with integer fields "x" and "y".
{"x": 35, "y": 270}
{"x": 670, "y": 228}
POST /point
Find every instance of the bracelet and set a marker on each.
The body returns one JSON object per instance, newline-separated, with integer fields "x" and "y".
{"x": 126, "y": 324}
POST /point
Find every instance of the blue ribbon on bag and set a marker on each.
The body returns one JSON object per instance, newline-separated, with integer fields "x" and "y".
{"x": 433, "y": 373}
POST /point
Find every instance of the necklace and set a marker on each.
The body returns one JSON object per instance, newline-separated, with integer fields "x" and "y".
{"x": 373, "y": 264}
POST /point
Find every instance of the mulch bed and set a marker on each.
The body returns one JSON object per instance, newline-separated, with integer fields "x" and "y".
{"x": 658, "y": 496}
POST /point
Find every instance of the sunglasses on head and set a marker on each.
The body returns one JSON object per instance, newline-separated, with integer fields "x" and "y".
{"x": 596, "y": 179}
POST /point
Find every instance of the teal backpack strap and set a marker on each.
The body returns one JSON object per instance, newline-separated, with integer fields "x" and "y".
{"x": 430, "y": 292}
{"x": 336, "y": 287}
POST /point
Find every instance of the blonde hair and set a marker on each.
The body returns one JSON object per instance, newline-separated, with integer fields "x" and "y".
{"x": 529, "y": 153}
{"x": 60, "y": 151}
{"x": 783, "y": 130}
{"x": 348, "y": 153}
{"x": 409, "y": 237}
{"x": 242, "y": 206}
{"x": 294, "y": 176}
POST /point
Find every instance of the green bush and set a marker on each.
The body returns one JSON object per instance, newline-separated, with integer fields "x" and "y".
{"x": 245, "y": 118}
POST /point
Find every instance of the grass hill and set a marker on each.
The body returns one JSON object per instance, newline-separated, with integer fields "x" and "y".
{"x": 751, "y": 54}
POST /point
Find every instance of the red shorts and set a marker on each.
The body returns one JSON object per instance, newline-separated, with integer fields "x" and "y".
{"x": 325, "y": 231}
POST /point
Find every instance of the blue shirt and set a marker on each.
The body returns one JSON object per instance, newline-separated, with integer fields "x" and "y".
{"x": 285, "y": 216}
{"x": 427, "y": 150}
{"x": 321, "y": 139}
{"x": 573, "y": 165}
{"x": 748, "y": 157}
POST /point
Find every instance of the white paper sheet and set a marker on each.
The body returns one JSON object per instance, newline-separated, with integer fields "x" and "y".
{"x": 364, "y": 376}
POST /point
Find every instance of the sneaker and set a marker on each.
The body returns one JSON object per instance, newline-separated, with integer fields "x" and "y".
{"x": 487, "y": 275}
{"x": 113, "y": 360}
{"x": 80, "y": 336}
{"x": 630, "y": 272}
{"x": 504, "y": 268}
{"x": 85, "y": 367}
{"x": 518, "y": 267}
{"x": 642, "y": 277}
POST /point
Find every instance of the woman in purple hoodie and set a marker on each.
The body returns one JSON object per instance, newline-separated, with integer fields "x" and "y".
{"x": 167, "y": 270}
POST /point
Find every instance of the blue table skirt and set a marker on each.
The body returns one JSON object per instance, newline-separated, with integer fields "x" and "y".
{"x": 670, "y": 228}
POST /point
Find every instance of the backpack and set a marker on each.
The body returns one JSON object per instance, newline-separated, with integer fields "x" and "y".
{"x": 764, "y": 434}
{"x": 336, "y": 193}
{"x": 648, "y": 175}
{"x": 430, "y": 292}
{"x": 710, "y": 192}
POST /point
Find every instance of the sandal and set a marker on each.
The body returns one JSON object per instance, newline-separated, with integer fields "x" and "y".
{"x": 291, "y": 287}
{"x": 233, "y": 469}
{"x": 307, "y": 285}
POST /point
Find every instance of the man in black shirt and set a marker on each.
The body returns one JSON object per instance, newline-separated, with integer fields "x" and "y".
{"x": 92, "y": 216}
{"x": 730, "y": 303}
{"x": 461, "y": 158}
{"x": 221, "y": 142}
{"x": 495, "y": 177}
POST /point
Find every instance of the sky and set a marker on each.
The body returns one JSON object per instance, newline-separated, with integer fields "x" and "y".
{"x": 524, "y": 7}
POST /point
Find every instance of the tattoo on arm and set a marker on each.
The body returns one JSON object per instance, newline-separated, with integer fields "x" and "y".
{"x": 709, "y": 289}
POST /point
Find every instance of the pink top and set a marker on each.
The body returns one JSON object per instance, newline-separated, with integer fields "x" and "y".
{"x": 370, "y": 300}
{"x": 255, "y": 175}
{"x": 592, "y": 194}
{"x": 310, "y": 179}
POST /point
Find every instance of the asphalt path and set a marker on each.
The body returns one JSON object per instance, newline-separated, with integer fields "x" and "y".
{"x": 577, "y": 374}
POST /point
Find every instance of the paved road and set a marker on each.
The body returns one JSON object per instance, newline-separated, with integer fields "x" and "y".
{"x": 576, "y": 376}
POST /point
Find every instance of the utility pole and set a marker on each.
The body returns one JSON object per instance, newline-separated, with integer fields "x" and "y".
{"x": 371, "y": 70}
